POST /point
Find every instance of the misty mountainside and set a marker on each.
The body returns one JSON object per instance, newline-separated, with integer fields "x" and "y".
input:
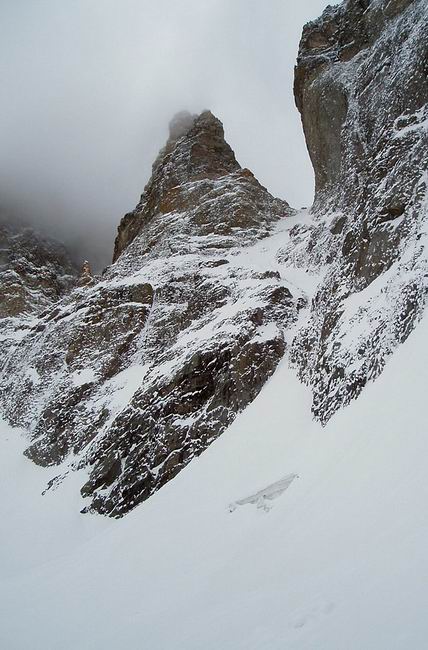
{"x": 214, "y": 281}
{"x": 138, "y": 372}
{"x": 35, "y": 271}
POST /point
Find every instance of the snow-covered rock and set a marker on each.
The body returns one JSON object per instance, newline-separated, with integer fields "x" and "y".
{"x": 361, "y": 86}
{"x": 35, "y": 271}
{"x": 138, "y": 373}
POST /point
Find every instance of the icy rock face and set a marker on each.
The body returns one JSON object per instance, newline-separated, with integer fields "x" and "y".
{"x": 136, "y": 374}
{"x": 35, "y": 271}
{"x": 361, "y": 85}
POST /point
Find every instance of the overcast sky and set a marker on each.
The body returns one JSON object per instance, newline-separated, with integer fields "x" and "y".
{"x": 88, "y": 88}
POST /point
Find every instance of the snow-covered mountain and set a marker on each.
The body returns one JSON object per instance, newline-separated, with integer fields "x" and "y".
{"x": 138, "y": 372}
{"x": 227, "y": 312}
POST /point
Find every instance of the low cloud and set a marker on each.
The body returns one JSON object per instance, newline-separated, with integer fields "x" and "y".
{"x": 89, "y": 89}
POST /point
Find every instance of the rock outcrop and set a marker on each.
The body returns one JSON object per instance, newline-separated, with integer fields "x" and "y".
{"x": 86, "y": 276}
{"x": 135, "y": 375}
{"x": 361, "y": 85}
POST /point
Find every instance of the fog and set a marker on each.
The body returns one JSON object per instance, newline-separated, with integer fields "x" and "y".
{"x": 88, "y": 88}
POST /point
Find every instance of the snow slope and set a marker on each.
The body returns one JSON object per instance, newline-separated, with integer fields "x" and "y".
{"x": 331, "y": 559}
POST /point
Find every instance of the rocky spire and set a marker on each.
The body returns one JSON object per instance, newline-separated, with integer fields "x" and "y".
{"x": 180, "y": 124}
{"x": 191, "y": 331}
{"x": 195, "y": 150}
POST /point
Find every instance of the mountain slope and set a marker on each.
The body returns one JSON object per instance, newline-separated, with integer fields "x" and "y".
{"x": 337, "y": 562}
{"x": 136, "y": 374}
{"x": 35, "y": 271}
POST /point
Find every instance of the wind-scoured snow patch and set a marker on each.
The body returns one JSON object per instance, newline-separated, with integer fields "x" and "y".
{"x": 410, "y": 122}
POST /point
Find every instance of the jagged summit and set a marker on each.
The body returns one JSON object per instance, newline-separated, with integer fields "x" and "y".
{"x": 196, "y": 146}
{"x": 195, "y": 150}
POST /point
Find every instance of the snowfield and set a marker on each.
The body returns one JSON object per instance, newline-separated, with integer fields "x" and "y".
{"x": 336, "y": 560}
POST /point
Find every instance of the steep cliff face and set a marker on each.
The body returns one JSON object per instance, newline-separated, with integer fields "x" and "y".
{"x": 138, "y": 373}
{"x": 361, "y": 85}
